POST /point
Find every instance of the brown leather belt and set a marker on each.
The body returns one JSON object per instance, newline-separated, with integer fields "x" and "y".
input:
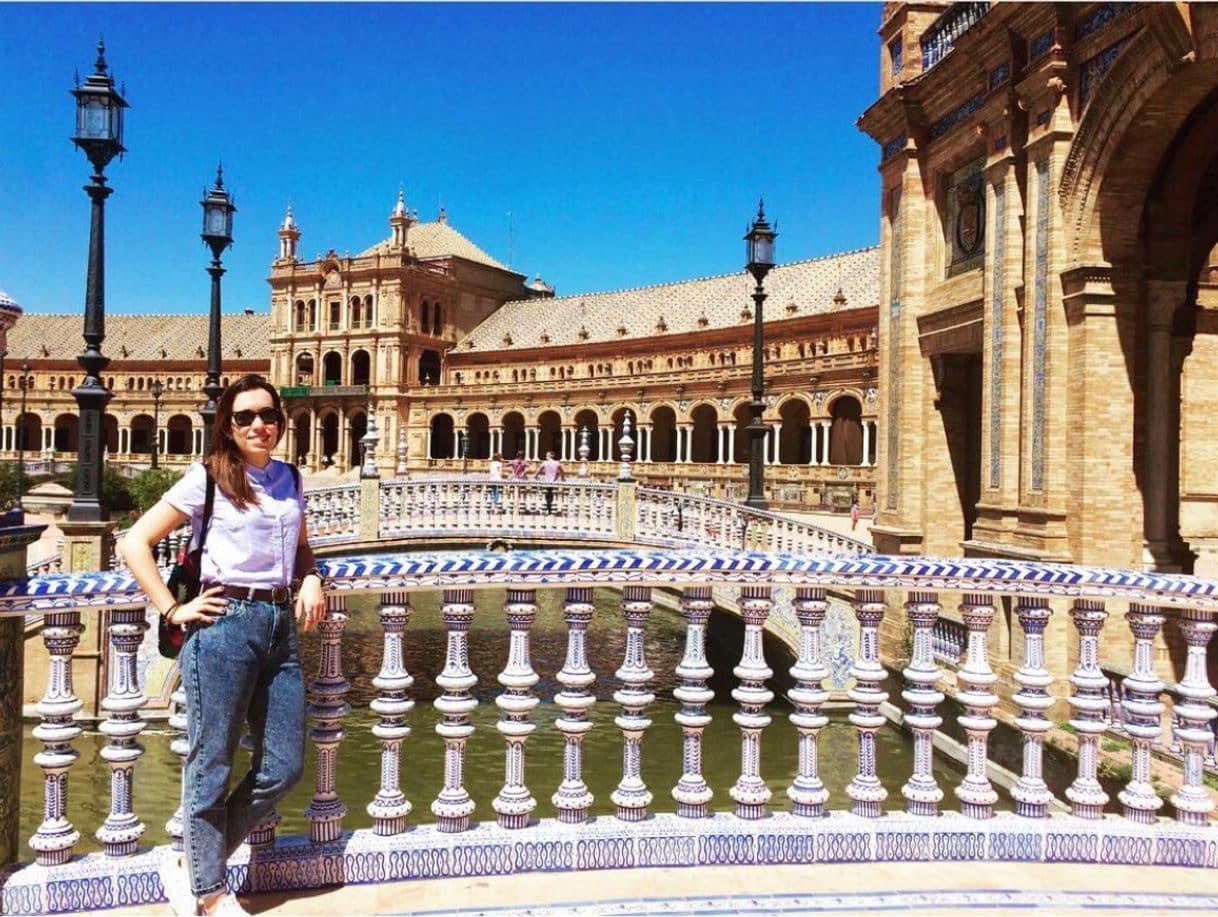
{"x": 278, "y": 595}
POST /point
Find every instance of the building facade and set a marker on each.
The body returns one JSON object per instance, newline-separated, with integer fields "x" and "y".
{"x": 1047, "y": 325}
{"x": 458, "y": 357}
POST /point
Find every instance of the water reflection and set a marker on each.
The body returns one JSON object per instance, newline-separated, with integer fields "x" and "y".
{"x": 156, "y": 784}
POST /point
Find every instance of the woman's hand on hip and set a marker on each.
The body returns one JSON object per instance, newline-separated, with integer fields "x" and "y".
{"x": 310, "y": 603}
{"x": 206, "y": 608}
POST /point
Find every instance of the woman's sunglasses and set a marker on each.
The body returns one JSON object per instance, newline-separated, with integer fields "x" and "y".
{"x": 267, "y": 415}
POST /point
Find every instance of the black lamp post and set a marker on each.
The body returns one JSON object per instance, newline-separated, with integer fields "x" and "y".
{"x": 759, "y": 252}
{"x": 218, "y": 210}
{"x": 20, "y": 432}
{"x": 99, "y": 132}
{"x": 157, "y": 390}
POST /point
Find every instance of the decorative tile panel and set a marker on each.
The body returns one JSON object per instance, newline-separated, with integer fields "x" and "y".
{"x": 997, "y": 317}
{"x": 1093, "y": 69}
{"x": 1040, "y": 45}
{"x": 894, "y": 146}
{"x": 1000, "y": 75}
{"x": 1039, "y": 319}
{"x": 956, "y": 117}
{"x": 895, "y": 337}
{"x": 1100, "y": 18}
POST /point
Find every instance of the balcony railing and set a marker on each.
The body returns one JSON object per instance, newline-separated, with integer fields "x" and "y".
{"x": 940, "y": 37}
{"x": 866, "y": 825}
{"x": 322, "y": 391}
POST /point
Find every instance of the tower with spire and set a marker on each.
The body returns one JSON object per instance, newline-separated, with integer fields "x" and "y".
{"x": 400, "y": 221}
{"x": 289, "y": 236}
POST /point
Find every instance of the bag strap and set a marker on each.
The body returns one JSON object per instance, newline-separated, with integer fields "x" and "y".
{"x": 295, "y": 476}
{"x": 209, "y": 501}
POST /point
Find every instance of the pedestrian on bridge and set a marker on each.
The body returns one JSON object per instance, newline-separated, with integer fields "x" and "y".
{"x": 550, "y": 471}
{"x": 240, "y": 662}
{"x": 495, "y": 473}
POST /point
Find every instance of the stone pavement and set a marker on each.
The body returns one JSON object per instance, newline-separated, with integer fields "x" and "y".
{"x": 836, "y": 889}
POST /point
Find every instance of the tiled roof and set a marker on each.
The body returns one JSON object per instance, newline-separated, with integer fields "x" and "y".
{"x": 683, "y": 306}
{"x": 437, "y": 240}
{"x": 144, "y": 337}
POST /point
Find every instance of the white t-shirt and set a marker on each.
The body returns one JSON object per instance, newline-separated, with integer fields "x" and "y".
{"x": 496, "y": 470}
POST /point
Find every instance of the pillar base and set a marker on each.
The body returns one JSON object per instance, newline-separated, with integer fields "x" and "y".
{"x": 1168, "y": 556}
{"x": 87, "y": 546}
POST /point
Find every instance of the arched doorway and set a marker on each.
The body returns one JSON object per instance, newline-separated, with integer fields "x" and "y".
{"x": 429, "y": 368}
{"x": 846, "y": 432}
{"x": 441, "y": 437}
{"x": 795, "y": 438}
{"x": 705, "y": 445}
{"x": 140, "y": 442}
{"x": 304, "y": 369}
{"x": 329, "y": 439}
{"x": 332, "y": 368}
{"x": 361, "y": 372}
{"x": 549, "y": 434}
{"x": 357, "y": 427}
{"x": 663, "y": 435}
{"x": 587, "y": 426}
{"x": 513, "y": 434}
{"x": 303, "y": 427}
{"x": 67, "y": 433}
{"x": 178, "y": 435}
{"x": 478, "y": 429}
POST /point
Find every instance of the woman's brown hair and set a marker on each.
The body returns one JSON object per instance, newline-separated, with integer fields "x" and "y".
{"x": 224, "y": 459}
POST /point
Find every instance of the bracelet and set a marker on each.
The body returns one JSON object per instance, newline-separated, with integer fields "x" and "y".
{"x": 313, "y": 571}
{"x": 170, "y": 610}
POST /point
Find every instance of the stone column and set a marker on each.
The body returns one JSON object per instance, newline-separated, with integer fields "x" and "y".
{"x": 1142, "y": 708}
{"x": 692, "y": 793}
{"x": 1192, "y": 802}
{"x": 390, "y": 807}
{"x": 921, "y": 792}
{"x": 865, "y": 790}
{"x": 866, "y": 443}
{"x": 808, "y": 793}
{"x": 573, "y": 799}
{"x": 453, "y": 806}
{"x": 1032, "y": 795}
{"x": 976, "y": 795}
{"x": 1162, "y": 551}
{"x": 1090, "y": 705}
{"x": 750, "y": 791}
{"x": 825, "y": 426}
{"x": 632, "y": 796}
{"x": 514, "y": 802}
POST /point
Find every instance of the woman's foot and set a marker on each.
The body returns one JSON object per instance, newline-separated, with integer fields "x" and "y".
{"x": 176, "y": 882}
{"x": 221, "y": 904}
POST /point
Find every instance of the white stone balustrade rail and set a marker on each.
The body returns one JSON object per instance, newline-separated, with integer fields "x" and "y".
{"x": 473, "y": 508}
{"x": 659, "y": 825}
{"x": 476, "y": 508}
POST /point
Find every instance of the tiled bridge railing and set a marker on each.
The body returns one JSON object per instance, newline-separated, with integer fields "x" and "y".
{"x": 867, "y": 825}
{"x": 474, "y": 508}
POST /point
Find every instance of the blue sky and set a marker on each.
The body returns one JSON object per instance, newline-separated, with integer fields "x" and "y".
{"x": 629, "y": 143}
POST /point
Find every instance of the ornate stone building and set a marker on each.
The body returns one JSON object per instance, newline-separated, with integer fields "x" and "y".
{"x": 460, "y": 357}
{"x": 1048, "y": 320}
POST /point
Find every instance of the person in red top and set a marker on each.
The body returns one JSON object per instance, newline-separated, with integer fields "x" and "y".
{"x": 518, "y": 466}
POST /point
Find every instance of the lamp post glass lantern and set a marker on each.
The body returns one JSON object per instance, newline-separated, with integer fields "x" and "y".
{"x": 218, "y": 210}
{"x": 759, "y": 255}
{"x": 99, "y": 133}
{"x": 157, "y": 390}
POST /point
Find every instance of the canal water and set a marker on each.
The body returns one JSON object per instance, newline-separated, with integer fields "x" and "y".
{"x": 157, "y": 774}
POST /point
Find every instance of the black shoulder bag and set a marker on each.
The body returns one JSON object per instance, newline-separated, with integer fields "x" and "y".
{"x": 184, "y": 579}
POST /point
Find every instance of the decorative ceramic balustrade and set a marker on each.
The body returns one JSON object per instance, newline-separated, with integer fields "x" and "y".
{"x": 749, "y": 825}
{"x": 940, "y": 37}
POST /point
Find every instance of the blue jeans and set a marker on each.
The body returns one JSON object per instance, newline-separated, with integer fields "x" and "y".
{"x": 243, "y": 668}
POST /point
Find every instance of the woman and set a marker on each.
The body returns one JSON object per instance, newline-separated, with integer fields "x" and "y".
{"x": 240, "y": 661}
